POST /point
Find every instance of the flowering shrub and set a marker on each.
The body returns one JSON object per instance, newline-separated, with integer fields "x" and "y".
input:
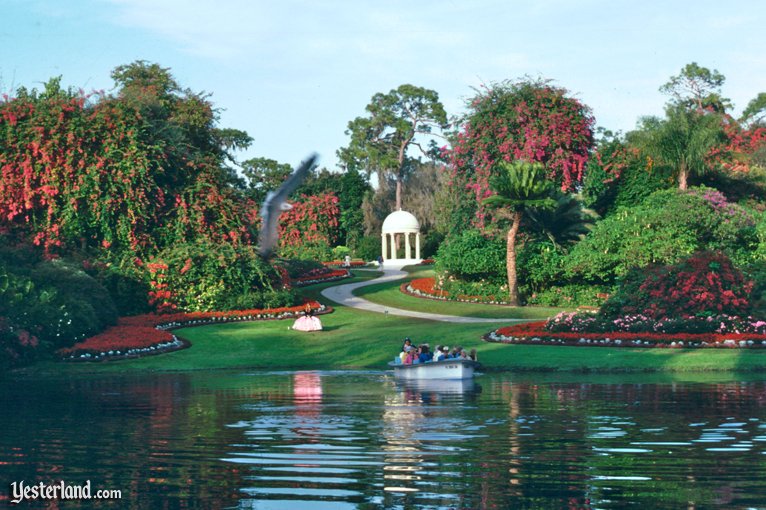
{"x": 149, "y": 333}
{"x": 310, "y": 227}
{"x": 528, "y": 120}
{"x": 536, "y": 333}
{"x": 704, "y": 284}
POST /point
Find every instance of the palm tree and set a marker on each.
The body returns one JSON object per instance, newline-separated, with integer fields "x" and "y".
{"x": 567, "y": 222}
{"x": 519, "y": 186}
{"x": 683, "y": 141}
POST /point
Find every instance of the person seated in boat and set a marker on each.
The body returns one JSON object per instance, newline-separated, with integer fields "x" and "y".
{"x": 472, "y": 355}
{"x": 411, "y": 357}
{"x": 407, "y": 345}
{"x": 442, "y": 353}
{"x": 425, "y": 354}
{"x": 455, "y": 354}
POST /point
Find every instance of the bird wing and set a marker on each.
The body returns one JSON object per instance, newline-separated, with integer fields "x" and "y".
{"x": 272, "y": 207}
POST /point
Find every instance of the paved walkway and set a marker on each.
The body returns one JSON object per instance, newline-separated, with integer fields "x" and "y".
{"x": 343, "y": 294}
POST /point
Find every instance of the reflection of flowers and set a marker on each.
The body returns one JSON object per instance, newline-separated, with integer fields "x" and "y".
{"x": 149, "y": 333}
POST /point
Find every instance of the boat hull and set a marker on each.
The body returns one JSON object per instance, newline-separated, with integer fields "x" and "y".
{"x": 445, "y": 369}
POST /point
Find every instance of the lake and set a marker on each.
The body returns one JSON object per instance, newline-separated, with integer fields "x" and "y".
{"x": 360, "y": 440}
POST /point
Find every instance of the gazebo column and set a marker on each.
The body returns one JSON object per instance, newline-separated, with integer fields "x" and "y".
{"x": 407, "y": 247}
{"x": 393, "y": 247}
{"x": 384, "y": 246}
{"x": 417, "y": 245}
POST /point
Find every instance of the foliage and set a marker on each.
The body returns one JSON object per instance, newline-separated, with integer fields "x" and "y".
{"x": 204, "y": 277}
{"x": 683, "y": 141}
{"x": 566, "y": 222}
{"x": 619, "y": 175}
{"x": 569, "y": 295}
{"x": 339, "y": 252}
{"x": 669, "y": 226}
{"x": 705, "y": 284}
{"x": 398, "y": 120}
{"x": 53, "y": 301}
{"x": 310, "y": 228}
{"x": 527, "y": 120}
{"x": 264, "y": 175}
{"x": 543, "y": 266}
{"x": 133, "y": 172}
{"x": 368, "y": 248}
{"x": 471, "y": 257}
{"x": 697, "y": 87}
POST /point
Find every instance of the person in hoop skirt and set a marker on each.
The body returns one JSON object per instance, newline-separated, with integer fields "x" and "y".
{"x": 308, "y": 322}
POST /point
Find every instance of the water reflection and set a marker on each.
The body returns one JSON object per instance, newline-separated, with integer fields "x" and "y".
{"x": 363, "y": 440}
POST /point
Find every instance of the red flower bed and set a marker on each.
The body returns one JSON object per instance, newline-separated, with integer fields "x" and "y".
{"x": 149, "y": 333}
{"x": 535, "y": 332}
{"x": 318, "y": 276}
{"x": 426, "y": 286}
{"x": 340, "y": 263}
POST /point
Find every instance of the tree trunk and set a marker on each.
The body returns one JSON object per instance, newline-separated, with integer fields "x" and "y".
{"x": 683, "y": 176}
{"x": 510, "y": 259}
{"x": 398, "y": 193}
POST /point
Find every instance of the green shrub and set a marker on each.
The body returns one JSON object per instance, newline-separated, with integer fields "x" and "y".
{"x": 667, "y": 227}
{"x": 472, "y": 257}
{"x": 569, "y": 296}
{"x": 541, "y": 265}
{"x": 204, "y": 277}
{"x": 126, "y": 284}
{"x": 339, "y": 252}
{"x": 368, "y": 248}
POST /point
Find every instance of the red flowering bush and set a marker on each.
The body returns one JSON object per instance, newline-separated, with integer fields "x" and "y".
{"x": 16, "y": 345}
{"x": 704, "y": 284}
{"x": 310, "y": 228}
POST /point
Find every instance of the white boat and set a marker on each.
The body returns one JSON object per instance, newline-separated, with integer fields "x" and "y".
{"x": 445, "y": 369}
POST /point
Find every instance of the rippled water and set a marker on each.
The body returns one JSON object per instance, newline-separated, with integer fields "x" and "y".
{"x": 337, "y": 440}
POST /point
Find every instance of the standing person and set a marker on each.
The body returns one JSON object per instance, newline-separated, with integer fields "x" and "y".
{"x": 347, "y": 261}
{"x": 380, "y": 262}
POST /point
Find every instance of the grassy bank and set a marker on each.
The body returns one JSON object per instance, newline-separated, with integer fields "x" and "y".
{"x": 357, "y": 339}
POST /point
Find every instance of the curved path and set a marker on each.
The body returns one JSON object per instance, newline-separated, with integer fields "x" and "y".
{"x": 343, "y": 294}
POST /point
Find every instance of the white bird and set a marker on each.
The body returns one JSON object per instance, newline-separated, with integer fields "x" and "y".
{"x": 276, "y": 203}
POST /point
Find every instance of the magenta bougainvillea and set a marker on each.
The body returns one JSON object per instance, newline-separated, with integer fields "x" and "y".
{"x": 529, "y": 120}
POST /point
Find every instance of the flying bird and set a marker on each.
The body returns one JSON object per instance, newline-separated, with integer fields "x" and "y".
{"x": 276, "y": 203}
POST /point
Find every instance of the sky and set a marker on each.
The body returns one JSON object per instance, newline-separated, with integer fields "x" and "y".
{"x": 294, "y": 73}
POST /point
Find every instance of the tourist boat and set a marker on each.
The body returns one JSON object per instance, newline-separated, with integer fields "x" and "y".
{"x": 444, "y": 369}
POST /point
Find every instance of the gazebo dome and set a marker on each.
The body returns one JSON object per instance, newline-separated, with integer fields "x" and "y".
{"x": 399, "y": 222}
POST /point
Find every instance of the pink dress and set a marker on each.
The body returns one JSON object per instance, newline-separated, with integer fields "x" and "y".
{"x": 308, "y": 323}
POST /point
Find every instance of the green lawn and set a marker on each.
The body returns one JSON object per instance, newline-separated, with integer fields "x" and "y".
{"x": 389, "y": 294}
{"x": 357, "y": 339}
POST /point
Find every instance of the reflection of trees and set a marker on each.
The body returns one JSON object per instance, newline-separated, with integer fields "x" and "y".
{"x": 150, "y": 438}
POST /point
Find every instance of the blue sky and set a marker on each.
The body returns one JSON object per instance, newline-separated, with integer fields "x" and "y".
{"x": 293, "y": 73}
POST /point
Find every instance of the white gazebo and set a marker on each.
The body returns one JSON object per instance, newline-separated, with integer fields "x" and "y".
{"x": 404, "y": 223}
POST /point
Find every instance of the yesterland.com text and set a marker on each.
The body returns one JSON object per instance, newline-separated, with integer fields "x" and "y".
{"x": 21, "y": 491}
